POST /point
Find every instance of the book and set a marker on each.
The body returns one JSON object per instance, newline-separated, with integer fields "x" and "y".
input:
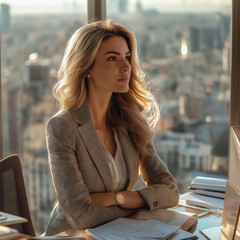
{"x": 7, "y": 233}
{"x": 8, "y": 219}
{"x": 58, "y": 238}
{"x": 159, "y": 224}
{"x": 207, "y": 192}
{"x": 209, "y": 184}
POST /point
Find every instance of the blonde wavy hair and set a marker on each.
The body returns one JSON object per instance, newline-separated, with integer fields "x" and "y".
{"x": 135, "y": 112}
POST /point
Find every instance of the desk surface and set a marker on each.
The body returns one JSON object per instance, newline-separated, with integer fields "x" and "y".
{"x": 210, "y": 220}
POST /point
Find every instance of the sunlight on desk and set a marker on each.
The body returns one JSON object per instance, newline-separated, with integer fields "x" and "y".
{"x": 207, "y": 221}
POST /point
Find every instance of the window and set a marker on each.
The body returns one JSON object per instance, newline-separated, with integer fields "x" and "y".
{"x": 34, "y": 35}
{"x": 185, "y": 50}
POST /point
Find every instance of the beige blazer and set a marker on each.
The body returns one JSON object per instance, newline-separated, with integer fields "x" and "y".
{"x": 77, "y": 165}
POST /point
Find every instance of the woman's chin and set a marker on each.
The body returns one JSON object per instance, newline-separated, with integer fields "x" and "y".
{"x": 122, "y": 90}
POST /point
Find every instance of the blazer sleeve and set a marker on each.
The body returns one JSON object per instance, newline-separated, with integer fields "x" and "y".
{"x": 161, "y": 190}
{"x": 71, "y": 191}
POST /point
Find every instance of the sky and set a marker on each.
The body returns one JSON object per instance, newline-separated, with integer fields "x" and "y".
{"x": 54, "y": 6}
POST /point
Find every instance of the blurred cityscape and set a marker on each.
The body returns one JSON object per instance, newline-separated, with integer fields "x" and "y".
{"x": 186, "y": 58}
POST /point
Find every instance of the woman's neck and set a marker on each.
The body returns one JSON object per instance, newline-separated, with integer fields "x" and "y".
{"x": 98, "y": 108}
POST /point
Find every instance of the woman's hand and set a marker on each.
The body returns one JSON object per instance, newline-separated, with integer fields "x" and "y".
{"x": 135, "y": 216}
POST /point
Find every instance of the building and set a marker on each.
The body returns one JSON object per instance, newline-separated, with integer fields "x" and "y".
{"x": 203, "y": 38}
{"x": 226, "y": 58}
{"x": 181, "y": 152}
{"x": 12, "y": 120}
{"x": 123, "y": 6}
{"x": 5, "y": 19}
{"x": 39, "y": 186}
{"x": 191, "y": 107}
{"x": 223, "y": 29}
{"x": 39, "y": 79}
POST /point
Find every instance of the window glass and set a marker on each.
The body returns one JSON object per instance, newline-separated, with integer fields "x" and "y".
{"x": 34, "y": 35}
{"x": 184, "y": 48}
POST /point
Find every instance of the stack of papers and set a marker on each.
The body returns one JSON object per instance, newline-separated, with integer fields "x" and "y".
{"x": 125, "y": 228}
{"x": 205, "y": 194}
{"x": 216, "y": 203}
{"x": 131, "y": 229}
{"x": 214, "y": 187}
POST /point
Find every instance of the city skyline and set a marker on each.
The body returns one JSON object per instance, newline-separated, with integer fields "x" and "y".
{"x": 164, "y": 6}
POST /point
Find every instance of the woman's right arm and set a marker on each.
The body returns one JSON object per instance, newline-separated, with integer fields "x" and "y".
{"x": 72, "y": 193}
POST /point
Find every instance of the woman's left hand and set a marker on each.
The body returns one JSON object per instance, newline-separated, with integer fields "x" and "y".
{"x": 135, "y": 216}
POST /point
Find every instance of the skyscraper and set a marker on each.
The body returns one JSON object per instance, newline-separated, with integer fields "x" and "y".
{"x": 139, "y": 6}
{"x": 38, "y": 80}
{"x": 194, "y": 39}
{"x": 123, "y": 6}
{"x": 223, "y": 29}
{"x": 5, "y": 20}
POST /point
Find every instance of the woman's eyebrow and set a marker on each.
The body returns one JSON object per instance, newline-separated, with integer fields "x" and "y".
{"x": 117, "y": 53}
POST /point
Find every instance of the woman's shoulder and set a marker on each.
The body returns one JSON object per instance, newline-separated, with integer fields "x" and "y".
{"x": 59, "y": 127}
{"x": 63, "y": 114}
{"x": 62, "y": 118}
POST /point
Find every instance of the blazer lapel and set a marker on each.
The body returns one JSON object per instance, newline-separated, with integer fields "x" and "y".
{"x": 131, "y": 159}
{"x": 93, "y": 144}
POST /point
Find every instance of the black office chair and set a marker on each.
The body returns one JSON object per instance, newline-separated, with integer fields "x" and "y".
{"x": 13, "y": 197}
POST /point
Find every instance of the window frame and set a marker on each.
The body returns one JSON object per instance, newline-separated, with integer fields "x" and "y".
{"x": 235, "y": 70}
{"x": 97, "y": 10}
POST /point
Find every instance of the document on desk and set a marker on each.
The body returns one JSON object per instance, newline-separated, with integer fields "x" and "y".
{"x": 187, "y": 221}
{"x": 131, "y": 229}
{"x": 183, "y": 235}
{"x": 216, "y": 202}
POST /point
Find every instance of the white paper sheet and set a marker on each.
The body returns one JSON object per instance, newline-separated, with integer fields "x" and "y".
{"x": 124, "y": 228}
{"x": 181, "y": 234}
{"x": 214, "y": 201}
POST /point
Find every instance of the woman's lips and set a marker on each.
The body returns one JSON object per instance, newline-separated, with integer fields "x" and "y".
{"x": 125, "y": 79}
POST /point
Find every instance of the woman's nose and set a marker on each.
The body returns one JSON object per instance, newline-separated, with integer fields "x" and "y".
{"x": 125, "y": 66}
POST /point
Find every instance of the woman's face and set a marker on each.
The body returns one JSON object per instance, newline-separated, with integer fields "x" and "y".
{"x": 111, "y": 70}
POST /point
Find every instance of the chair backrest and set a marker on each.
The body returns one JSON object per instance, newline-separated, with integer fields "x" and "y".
{"x": 13, "y": 197}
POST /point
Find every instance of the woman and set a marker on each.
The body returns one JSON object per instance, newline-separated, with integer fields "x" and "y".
{"x": 102, "y": 136}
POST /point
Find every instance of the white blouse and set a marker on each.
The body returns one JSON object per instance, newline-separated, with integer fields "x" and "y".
{"x": 117, "y": 166}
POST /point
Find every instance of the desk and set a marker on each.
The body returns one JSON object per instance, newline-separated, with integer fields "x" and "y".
{"x": 210, "y": 220}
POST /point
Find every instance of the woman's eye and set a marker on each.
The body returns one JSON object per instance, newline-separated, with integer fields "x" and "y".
{"x": 128, "y": 58}
{"x": 111, "y": 58}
